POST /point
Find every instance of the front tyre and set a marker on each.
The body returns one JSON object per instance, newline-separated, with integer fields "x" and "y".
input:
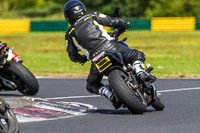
{"x": 158, "y": 104}
{"x": 26, "y": 82}
{"x": 125, "y": 94}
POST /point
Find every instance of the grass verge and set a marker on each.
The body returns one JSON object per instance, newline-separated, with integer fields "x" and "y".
{"x": 172, "y": 54}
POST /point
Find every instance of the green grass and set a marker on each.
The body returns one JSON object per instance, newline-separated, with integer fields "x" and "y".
{"x": 173, "y": 54}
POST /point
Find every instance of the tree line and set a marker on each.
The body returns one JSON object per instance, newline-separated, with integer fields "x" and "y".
{"x": 128, "y": 8}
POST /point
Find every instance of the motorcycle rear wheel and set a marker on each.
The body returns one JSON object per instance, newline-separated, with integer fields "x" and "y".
{"x": 8, "y": 121}
{"x": 26, "y": 82}
{"x": 125, "y": 94}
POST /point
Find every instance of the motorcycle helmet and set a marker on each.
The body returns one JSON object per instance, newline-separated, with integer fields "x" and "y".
{"x": 73, "y": 10}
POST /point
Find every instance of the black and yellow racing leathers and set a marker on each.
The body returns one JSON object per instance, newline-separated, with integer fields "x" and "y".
{"x": 88, "y": 35}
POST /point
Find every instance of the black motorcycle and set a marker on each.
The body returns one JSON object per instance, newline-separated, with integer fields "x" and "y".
{"x": 14, "y": 75}
{"x": 132, "y": 92}
{"x": 8, "y": 121}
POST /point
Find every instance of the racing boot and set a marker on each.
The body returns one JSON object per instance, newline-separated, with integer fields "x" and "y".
{"x": 115, "y": 102}
{"x": 142, "y": 74}
{"x": 148, "y": 68}
{"x": 104, "y": 91}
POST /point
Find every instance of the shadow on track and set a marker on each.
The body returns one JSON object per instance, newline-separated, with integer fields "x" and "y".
{"x": 13, "y": 95}
{"x": 117, "y": 112}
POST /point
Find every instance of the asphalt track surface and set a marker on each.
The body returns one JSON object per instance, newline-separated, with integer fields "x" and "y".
{"x": 181, "y": 113}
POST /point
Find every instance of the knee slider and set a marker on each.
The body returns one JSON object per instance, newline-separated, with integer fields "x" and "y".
{"x": 89, "y": 88}
{"x": 92, "y": 88}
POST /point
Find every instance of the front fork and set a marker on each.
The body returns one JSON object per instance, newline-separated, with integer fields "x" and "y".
{"x": 154, "y": 89}
{"x": 152, "y": 96}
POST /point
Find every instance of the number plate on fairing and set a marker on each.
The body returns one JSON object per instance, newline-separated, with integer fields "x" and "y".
{"x": 103, "y": 64}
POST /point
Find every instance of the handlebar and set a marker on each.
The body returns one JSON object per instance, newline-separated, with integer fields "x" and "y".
{"x": 118, "y": 32}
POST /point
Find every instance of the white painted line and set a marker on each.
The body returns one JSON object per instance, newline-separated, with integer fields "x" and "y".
{"x": 88, "y": 96}
{"x": 183, "y": 89}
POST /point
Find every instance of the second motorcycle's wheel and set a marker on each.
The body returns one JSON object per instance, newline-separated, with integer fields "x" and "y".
{"x": 26, "y": 82}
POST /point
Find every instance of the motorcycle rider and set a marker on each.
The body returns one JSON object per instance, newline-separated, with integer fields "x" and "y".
{"x": 87, "y": 34}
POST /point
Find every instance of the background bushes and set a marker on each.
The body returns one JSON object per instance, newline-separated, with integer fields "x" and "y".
{"x": 129, "y": 8}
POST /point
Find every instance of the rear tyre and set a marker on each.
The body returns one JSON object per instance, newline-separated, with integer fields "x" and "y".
{"x": 26, "y": 82}
{"x": 158, "y": 104}
{"x": 125, "y": 94}
{"x": 8, "y": 121}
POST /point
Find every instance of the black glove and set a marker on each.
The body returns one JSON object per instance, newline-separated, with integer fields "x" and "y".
{"x": 83, "y": 59}
{"x": 124, "y": 27}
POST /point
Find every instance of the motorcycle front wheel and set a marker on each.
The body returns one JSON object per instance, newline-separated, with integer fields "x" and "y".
{"x": 158, "y": 104}
{"x": 8, "y": 121}
{"x": 26, "y": 82}
{"x": 125, "y": 94}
